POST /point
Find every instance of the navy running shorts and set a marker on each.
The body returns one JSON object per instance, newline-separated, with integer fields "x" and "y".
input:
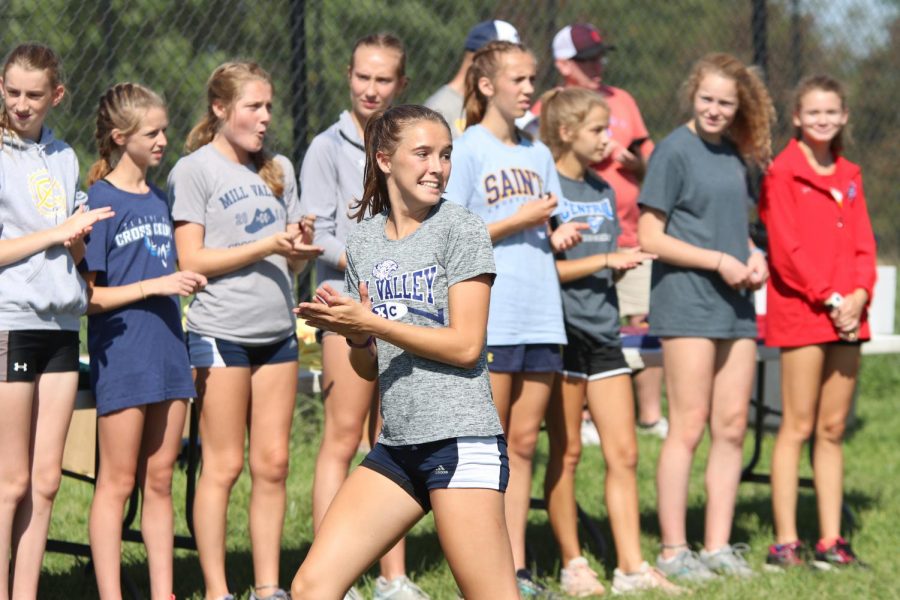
{"x": 463, "y": 462}
{"x": 206, "y": 351}
{"x": 524, "y": 358}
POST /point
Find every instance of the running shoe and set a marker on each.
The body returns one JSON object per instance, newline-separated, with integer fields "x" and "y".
{"x": 837, "y": 555}
{"x": 659, "y": 429}
{"x": 278, "y": 594}
{"x": 530, "y": 589}
{"x": 589, "y": 434}
{"x": 646, "y": 578}
{"x": 579, "y": 580}
{"x": 728, "y": 560}
{"x": 785, "y": 556}
{"x": 353, "y": 594}
{"x": 685, "y": 566}
{"x": 399, "y": 588}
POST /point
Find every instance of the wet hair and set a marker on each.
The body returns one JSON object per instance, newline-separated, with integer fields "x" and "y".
{"x": 387, "y": 41}
{"x": 384, "y": 132}
{"x": 566, "y": 107}
{"x": 122, "y": 107}
{"x": 32, "y": 56}
{"x": 485, "y": 63}
{"x": 225, "y": 86}
{"x": 823, "y": 83}
{"x": 751, "y": 128}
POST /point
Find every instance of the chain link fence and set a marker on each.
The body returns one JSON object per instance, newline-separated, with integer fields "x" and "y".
{"x": 173, "y": 45}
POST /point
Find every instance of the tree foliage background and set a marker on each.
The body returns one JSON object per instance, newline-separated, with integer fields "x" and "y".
{"x": 173, "y": 45}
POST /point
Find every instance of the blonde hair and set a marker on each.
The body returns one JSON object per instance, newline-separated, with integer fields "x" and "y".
{"x": 751, "y": 128}
{"x": 122, "y": 107}
{"x": 383, "y": 134}
{"x": 566, "y": 107}
{"x": 32, "y": 56}
{"x": 485, "y": 63}
{"x": 225, "y": 86}
{"x": 823, "y": 83}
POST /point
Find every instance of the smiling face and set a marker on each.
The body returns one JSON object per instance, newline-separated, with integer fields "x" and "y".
{"x": 28, "y": 95}
{"x": 715, "y": 106}
{"x": 245, "y": 122}
{"x": 509, "y": 91}
{"x": 374, "y": 80}
{"x": 820, "y": 116}
{"x": 588, "y": 142}
{"x": 145, "y": 147}
{"x": 418, "y": 169}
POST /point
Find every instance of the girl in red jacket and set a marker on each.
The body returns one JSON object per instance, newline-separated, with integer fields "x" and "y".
{"x": 822, "y": 259}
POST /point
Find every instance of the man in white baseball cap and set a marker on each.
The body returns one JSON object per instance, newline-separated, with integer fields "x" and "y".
{"x": 448, "y": 99}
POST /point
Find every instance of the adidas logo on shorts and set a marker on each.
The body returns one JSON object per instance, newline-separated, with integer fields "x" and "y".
{"x": 440, "y": 470}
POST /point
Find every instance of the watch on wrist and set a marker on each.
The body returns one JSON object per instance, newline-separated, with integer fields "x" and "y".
{"x": 834, "y": 300}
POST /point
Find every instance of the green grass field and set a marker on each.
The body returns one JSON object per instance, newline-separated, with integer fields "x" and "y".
{"x": 872, "y": 492}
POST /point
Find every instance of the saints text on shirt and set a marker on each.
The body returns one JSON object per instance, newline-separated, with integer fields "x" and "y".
{"x": 512, "y": 182}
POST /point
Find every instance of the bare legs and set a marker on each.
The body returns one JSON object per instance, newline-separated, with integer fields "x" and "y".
{"x": 136, "y": 444}
{"x": 235, "y": 399}
{"x": 707, "y": 381}
{"x": 611, "y": 405}
{"x": 817, "y": 391}
{"x": 370, "y": 513}
{"x": 348, "y": 399}
{"x": 521, "y": 400}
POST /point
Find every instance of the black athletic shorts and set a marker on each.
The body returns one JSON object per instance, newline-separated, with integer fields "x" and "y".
{"x": 26, "y": 354}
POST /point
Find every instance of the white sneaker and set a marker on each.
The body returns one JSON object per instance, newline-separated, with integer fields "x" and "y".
{"x": 659, "y": 429}
{"x": 400, "y": 588}
{"x": 353, "y": 594}
{"x": 728, "y": 560}
{"x": 589, "y": 434}
{"x": 646, "y": 578}
{"x": 579, "y": 580}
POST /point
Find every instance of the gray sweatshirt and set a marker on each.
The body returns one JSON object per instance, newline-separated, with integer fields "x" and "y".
{"x": 39, "y": 190}
{"x": 331, "y": 182}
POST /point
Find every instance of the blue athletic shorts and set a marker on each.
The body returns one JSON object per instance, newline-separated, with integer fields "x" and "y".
{"x": 463, "y": 462}
{"x": 525, "y": 358}
{"x": 206, "y": 351}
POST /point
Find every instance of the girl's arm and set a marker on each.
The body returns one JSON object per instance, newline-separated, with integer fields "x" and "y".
{"x": 66, "y": 234}
{"x": 653, "y": 238}
{"x": 319, "y": 193}
{"x": 531, "y": 214}
{"x": 212, "y": 262}
{"x": 847, "y": 316}
{"x": 579, "y": 268}
{"x": 103, "y": 299}
{"x": 303, "y": 233}
{"x": 459, "y": 344}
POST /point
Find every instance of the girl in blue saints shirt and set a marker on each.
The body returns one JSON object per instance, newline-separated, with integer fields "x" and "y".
{"x": 510, "y": 181}
{"x": 140, "y": 373}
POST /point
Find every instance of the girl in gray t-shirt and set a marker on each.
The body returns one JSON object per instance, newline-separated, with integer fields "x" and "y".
{"x": 419, "y": 274}
{"x": 238, "y": 222}
{"x": 694, "y": 206}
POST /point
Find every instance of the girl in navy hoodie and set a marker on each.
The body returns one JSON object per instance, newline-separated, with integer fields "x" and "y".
{"x": 41, "y": 301}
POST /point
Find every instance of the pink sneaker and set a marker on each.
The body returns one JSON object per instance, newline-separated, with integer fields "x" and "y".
{"x": 579, "y": 580}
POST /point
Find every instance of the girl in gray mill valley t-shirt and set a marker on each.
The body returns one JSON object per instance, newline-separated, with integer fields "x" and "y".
{"x": 702, "y": 189}
{"x": 408, "y": 280}
{"x": 251, "y": 305}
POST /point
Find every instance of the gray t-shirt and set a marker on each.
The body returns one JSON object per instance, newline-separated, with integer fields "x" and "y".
{"x": 449, "y": 103}
{"x": 702, "y": 190}
{"x": 590, "y": 304}
{"x": 408, "y": 280}
{"x": 252, "y": 305}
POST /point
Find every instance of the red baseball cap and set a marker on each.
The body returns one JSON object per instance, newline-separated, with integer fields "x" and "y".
{"x": 580, "y": 41}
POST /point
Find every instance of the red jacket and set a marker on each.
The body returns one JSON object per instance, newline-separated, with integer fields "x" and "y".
{"x": 820, "y": 242}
